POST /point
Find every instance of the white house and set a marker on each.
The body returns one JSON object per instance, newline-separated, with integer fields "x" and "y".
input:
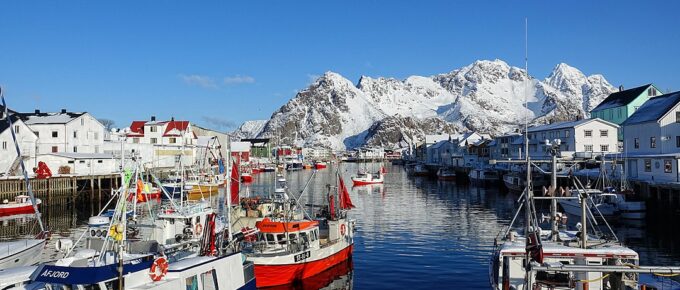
{"x": 73, "y": 132}
{"x": 159, "y": 143}
{"x": 581, "y": 138}
{"x": 9, "y": 163}
{"x": 652, "y": 140}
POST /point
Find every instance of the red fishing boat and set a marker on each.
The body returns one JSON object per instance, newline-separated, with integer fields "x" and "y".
{"x": 365, "y": 178}
{"x": 21, "y": 205}
{"x": 320, "y": 165}
{"x": 246, "y": 177}
{"x": 289, "y": 251}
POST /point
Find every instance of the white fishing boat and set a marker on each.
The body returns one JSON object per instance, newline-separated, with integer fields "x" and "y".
{"x": 20, "y": 205}
{"x": 20, "y": 253}
{"x": 365, "y": 178}
{"x": 446, "y": 174}
{"x": 610, "y": 205}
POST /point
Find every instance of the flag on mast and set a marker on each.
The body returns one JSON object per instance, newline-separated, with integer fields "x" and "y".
{"x": 345, "y": 200}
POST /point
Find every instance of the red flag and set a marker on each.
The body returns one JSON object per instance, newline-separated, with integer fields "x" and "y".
{"x": 234, "y": 184}
{"x": 345, "y": 200}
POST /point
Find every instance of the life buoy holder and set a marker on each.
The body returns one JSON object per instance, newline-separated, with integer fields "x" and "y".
{"x": 343, "y": 229}
{"x": 198, "y": 229}
{"x": 158, "y": 269}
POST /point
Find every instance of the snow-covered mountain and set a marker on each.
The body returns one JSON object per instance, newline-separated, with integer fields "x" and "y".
{"x": 249, "y": 129}
{"x": 485, "y": 96}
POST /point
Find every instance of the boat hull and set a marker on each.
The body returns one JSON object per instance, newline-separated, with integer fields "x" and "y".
{"x": 274, "y": 275}
{"x": 16, "y": 209}
{"x": 21, "y": 253}
{"x": 320, "y": 166}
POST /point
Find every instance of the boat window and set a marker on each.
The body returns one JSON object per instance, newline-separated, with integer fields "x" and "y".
{"x": 304, "y": 238}
{"x": 281, "y": 238}
{"x": 57, "y": 287}
{"x": 292, "y": 237}
{"x": 270, "y": 239}
{"x": 191, "y": 283}
{"x": 209, "y": 280}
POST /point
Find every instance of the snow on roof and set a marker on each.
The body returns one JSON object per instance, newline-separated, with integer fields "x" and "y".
{"x": 240, "y": 146}
{"x": 439, "y": 144}
{"x": 83, "y": 155}
{"x": 431, "y": 139}
{"x": 568, "y": 124}
{"x": 653, "y": 109}
{"x": 49, "y": 118}
{"x": 621, "y": 98}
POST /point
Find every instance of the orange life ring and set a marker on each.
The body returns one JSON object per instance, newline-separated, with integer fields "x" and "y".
{"x": 158, "y": 269}
{"x": 198, "y": 229}
{"x": 343, "y": 229}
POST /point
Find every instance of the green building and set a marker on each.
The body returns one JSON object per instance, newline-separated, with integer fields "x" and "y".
{"x": 618, "y": 106}
{"x": 260, "y": 147}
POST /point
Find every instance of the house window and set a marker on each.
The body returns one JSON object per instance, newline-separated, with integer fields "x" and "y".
{"x": 153, "y": 129}
{"x": 55, "y": 149}
{"x": 667, "y": 166}
{"x": 75, "y": 149}
{"x": 648, "y": 165}
{"x": 37, "y": 134}
{"x": 604, "y": 148}
{"x": 82, "y": 121}
{"x": 4, "y": 145}
{"x": 96, "y": 148}
{"x": 543, "y": 136}
{"x": 566, "y": 133}
{"x": 588, "y": 133}
{"x": 100, "y": 161}
{"x": 173, "y": 140}
{"x": 75, "y": 134}
{"x": 135, "y": 140}
{"x": 677, "y": 117}
{"x": 652, "y": 142}
{"x": 588, "y": 148}
{"x": 604, "y": 133}
{"x": 96, "y": 135}
{"x": 651, "y": 92}
{"x": 154, "y": 140}
{"x": 637, "y": 142}
{"x": 55, "y": 134}
{"x": 16, "y": 129}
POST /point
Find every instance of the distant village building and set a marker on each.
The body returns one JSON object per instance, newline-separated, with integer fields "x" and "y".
{"x": 259, "y": 147}
{"x": 581, "y": 139}
{"x": 652, "y": 140}
{"x": 240, "y": 152}
{"x": 509, "y": 146}
{"x": 618, "y": 106}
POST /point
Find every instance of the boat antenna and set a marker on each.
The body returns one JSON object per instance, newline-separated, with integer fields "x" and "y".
{"x": 527, "y": 189}
{"x": 21, "y": 161}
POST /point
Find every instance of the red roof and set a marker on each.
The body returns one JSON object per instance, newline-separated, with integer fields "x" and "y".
{"x": 137, "y": 128}
{"x": 179, "y": 125}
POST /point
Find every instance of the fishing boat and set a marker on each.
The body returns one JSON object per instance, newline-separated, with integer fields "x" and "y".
{"x": 446, "y": 174}
{"x": 610, "y": 204}
{"x": 483, "y": 176}
{"x": 287, "y": 251}
{"x": 21, "y": 252}
{"x": 269, "y": 168}
{"x": 320, "y": 165}
{"x": 365, "y": 178}
{"x": 246, "y": 177}
{"x": 294, "y": 165}
{"x": 21, "y": 205}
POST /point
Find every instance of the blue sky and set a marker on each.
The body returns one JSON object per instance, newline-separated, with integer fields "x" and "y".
{"x": 219, "y": 63}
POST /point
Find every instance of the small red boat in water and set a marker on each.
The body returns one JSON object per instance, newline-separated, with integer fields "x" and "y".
{"x": 21, "y": 205}
{"x": 365, "y": 178}
{"x": 246, "y": 177}
{"x": 320, "y": 165}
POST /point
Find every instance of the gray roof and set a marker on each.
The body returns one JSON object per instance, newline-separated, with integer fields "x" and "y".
{"x": 49, "y": 118}
{"x": 653, "y": 109}
{"x": 569, "y": 124}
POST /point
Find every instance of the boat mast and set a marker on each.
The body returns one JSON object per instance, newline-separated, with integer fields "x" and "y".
{"x": 527, "y": 191}
{"x": 228, "y": 178}
{"x": 21, "y": 161}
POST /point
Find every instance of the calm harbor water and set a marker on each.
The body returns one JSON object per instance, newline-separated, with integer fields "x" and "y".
{"x": 412, "y": 233}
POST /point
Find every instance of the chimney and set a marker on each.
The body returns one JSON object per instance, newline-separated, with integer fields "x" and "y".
{"x": 153, "y": 118}
{"x": 172, "y": 119}
{"x": 63, "y": 111}
{"x": 37, "y": 111}
{"x": 620, "y": 88}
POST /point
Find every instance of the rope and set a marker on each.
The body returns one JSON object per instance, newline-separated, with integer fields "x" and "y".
{"x": 656, "y": 274}
{"x": 594, "y": 280}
